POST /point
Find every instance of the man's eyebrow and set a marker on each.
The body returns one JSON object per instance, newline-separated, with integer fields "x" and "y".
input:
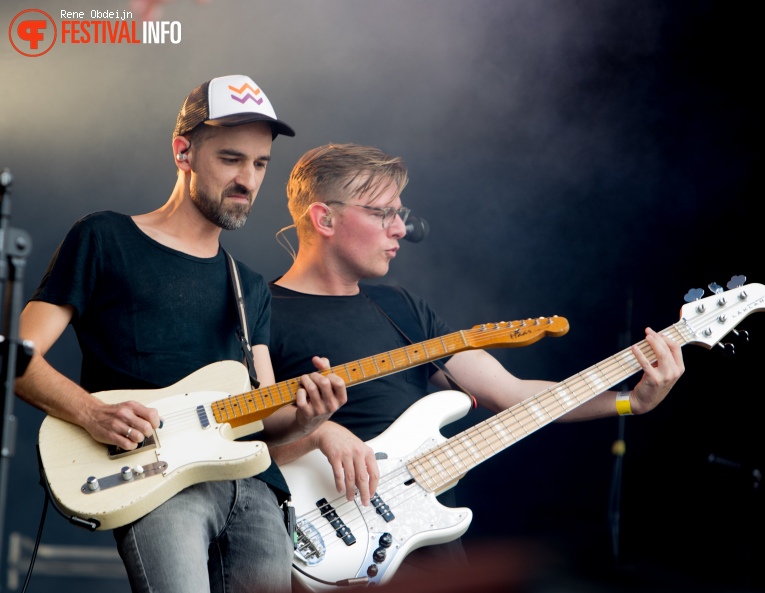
{"x": 237, "y": 153}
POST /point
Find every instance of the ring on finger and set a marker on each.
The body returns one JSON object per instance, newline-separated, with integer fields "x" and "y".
{"x": 127, "y": 436}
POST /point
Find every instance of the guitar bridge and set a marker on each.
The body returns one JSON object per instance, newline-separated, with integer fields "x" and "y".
{"x": 116, "y": 452}
{"x": 310, "y": 545}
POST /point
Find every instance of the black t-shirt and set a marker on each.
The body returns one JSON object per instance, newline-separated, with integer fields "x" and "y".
{"x": 146, "y": 315}
{"x": 344, "y": 329}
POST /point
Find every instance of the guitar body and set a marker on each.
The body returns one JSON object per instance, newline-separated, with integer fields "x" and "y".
{"x": 202, "y": 415}
{"x": 183, "y": 452}
{"x": 418, "y": 519}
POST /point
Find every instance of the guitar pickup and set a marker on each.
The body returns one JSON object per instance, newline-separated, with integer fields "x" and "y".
{"x": 382, "y": 509}
{"x": 341, "y": 529}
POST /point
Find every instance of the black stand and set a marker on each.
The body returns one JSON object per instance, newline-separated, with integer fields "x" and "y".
{"x": 15, "y": 246}
{"x": 618, "y": 450}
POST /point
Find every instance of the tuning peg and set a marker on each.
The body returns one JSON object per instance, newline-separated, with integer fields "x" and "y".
{"x": 728, "y": 349}
{"x": 694, "y": 294}
{"x": 736, "y": 281}
{"x": 715, "y": 288}
{"x": 742, "y": 336}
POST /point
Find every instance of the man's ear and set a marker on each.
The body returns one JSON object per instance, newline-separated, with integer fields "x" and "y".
{"x": 181, "y": 146}
{"x": 322, "y": 218}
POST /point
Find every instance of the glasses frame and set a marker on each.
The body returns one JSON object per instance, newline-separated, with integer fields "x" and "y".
{"x": 403, "y": 213}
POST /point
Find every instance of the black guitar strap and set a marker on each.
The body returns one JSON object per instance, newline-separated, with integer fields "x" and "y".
{"x": 242, "y": 334}
{"x": 290, "y": 520}
{"x": 391, "y": 301}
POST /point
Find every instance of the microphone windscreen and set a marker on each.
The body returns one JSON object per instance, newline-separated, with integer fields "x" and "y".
{"x": 417, "y": 229}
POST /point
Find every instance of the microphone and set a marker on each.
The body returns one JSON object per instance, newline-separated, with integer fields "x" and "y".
{"x": 417, "y": 229}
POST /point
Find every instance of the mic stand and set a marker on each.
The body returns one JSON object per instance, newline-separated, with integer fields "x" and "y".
{"x": 618, "y": 449}
{"x": 15, "y": 246}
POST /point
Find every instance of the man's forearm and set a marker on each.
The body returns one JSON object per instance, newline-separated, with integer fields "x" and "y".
{"x": 48, "y": 390}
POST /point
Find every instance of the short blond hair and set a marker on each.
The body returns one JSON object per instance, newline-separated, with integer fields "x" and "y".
{"x": 338, "y": 173}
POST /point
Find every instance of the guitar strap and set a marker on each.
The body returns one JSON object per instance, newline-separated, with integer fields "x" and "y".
{"x": 290, "y": 519}
{"x": 392, "y": 303}
{"x": 242, "y": 334}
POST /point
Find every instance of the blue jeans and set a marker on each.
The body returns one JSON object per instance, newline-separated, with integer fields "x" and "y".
{"x": 219, "y": 537}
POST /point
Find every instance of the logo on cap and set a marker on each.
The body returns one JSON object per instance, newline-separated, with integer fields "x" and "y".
{"x": 249, "y": 96}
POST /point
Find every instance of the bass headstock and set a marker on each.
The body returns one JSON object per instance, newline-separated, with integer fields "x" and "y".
{"x": 713, "y": 317}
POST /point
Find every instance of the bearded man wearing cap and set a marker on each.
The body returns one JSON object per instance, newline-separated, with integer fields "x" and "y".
{"x": 151, "y": 300}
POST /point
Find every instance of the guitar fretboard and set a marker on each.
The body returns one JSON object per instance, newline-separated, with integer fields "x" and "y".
{"x": 451, "y": 460}
{"x": 254, "y": 405}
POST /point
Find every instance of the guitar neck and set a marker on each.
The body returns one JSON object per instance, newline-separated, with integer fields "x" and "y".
{"x": 456, "y": 456}
{"x": 245, "y": 408}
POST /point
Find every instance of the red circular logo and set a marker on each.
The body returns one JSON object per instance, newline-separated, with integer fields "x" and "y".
{"x": 32, "y": 33}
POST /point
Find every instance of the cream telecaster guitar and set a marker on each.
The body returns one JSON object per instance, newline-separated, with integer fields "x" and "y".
{"x": 201, "y": 419}
{"x": 341, "y": 542}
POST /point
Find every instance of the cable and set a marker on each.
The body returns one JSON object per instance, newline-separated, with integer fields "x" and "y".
{"x": 89, "y": 524}
{"x": 37, "y": 544}
{"x": 342, "y": 583}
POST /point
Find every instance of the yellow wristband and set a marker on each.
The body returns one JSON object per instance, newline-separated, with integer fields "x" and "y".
{"x": 623, "y": 407}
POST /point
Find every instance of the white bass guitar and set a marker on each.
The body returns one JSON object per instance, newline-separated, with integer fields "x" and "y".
{"x": 341, "y": 542}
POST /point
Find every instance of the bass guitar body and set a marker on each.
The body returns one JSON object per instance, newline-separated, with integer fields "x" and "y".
{"x": 341, "y": 538}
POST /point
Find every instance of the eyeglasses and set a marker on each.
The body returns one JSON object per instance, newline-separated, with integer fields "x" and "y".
{"x": 387, "y": 215}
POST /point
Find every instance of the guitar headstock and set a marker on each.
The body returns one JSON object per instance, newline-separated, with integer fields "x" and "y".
{"x": 514, "y": 334}
{"x": 712, "y": 318}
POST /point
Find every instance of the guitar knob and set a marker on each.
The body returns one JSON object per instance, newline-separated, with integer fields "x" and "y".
{"x": 379, "y": 555}
{"x": 93, "y": 483}
{"x": 372, "y": 570}
{"x": 386, "y": 539}
{"x": 127, "y": 473}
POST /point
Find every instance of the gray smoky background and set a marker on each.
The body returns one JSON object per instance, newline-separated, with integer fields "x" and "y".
{"x": 592, "y": 159}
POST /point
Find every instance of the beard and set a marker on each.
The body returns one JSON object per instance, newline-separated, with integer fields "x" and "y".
{"x": 227, "y": 216}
